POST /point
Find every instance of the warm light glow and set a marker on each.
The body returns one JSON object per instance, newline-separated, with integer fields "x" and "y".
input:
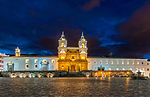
{"x": 109, "y": 78}
{"x": 17, "y": 52}
{"x": 82, "y": 45}
{"x": 101, "y": 78}
{"x": 62, "y": 57}
{"x": 128, "y": 73}
{"x": 82, "y": 57}
{"x": 111, "y": 62}
{"x": 62, "y": 44}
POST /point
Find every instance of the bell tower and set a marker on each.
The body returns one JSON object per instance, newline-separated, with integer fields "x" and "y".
{"x": 83, "y": 47}
{"x": 62, "y": 47}
{"x": 62, "y": 41}
{"x": 17, "y": 52}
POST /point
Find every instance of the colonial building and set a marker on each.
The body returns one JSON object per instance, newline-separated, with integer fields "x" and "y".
{"x": 73, "y": 59}
{"x": 2, "y": 61}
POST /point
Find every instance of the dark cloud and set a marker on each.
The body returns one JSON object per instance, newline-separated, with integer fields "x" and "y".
{"x": 136, "y": 32}
{"x": 73, "y": 36}
{"x": 94, "y": 48}
{"x": 91, "y": 4}
{"x": 48, "y": 43}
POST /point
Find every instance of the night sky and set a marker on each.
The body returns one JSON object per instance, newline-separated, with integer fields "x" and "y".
{"x": 116, "y": 28}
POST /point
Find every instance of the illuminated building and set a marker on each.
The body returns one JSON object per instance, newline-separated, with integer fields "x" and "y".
{"x": 17, "y": 52}
{"x": 74, "y": 59}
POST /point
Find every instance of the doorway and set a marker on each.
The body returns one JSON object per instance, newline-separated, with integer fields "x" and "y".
{"x": 44, "y": 68}
{"x": 73, "y": 68}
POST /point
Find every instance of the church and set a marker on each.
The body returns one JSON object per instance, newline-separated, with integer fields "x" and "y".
{"x": 73, "y": 59}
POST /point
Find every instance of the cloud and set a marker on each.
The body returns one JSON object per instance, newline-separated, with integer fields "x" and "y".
{"x": 94, "y": 48}
{"x": 48, "y": 43}
{"x": 73, "y": 36}
{"x": 136, "y": 32}
{"x": 91, "y": 4}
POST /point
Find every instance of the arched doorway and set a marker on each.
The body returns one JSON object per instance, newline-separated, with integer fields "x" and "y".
{"x": 73, "y": 68}
{"x": 44, "y": 68}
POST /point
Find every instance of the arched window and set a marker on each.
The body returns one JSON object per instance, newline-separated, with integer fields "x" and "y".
{"x": 27, "y": 61}
{"x": 35, "y": 61}
{"x": 73, "y": 57}
{"x": 35, "y": 66}
{"x": 53, "y": 61}
{"x": 82, "y": 45}
{"x": 27, "y": 66}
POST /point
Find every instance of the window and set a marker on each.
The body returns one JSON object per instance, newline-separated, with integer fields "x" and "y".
{"x": 117, "y": 68}
{"x": 62, "y": 44}
{"x": 117, "y": 62}
{"x": 123, "y": 69}
{"x": 147, "y": 69}
{"x": 82, "y": 57}
{"x": 27, "y": 61}
{"x": 127, "y": 62}
{"x": 44, "y": 61}
{"x": 35, "y": 66}
{"x": 62, "y": 57}
{"x": 138, "y": 62}
{"x": 27, "y": 66}
{"x": 143, "y": 69}
{"x": 133, "y": 62}
{"x": 100, "y": 62}
{"x": 130, "y": 68}
{"x": 111, "y": 62}
{"x": 35, "y": 61}
{"x": 82, "y": 45}
{"x": 10, "y": 62}
{"x": 106, "y": 62}
{"x": 122, "y": 62}
{"x": 53, "y": 61}
{"x": 73, "y": 57}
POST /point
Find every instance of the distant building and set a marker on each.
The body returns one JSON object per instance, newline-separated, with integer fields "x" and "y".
{"x": 2, "y": 61}
{"x": 74, "y": 59}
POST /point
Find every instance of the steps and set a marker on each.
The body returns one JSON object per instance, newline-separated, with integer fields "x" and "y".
{"x": 75, "y": 74}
